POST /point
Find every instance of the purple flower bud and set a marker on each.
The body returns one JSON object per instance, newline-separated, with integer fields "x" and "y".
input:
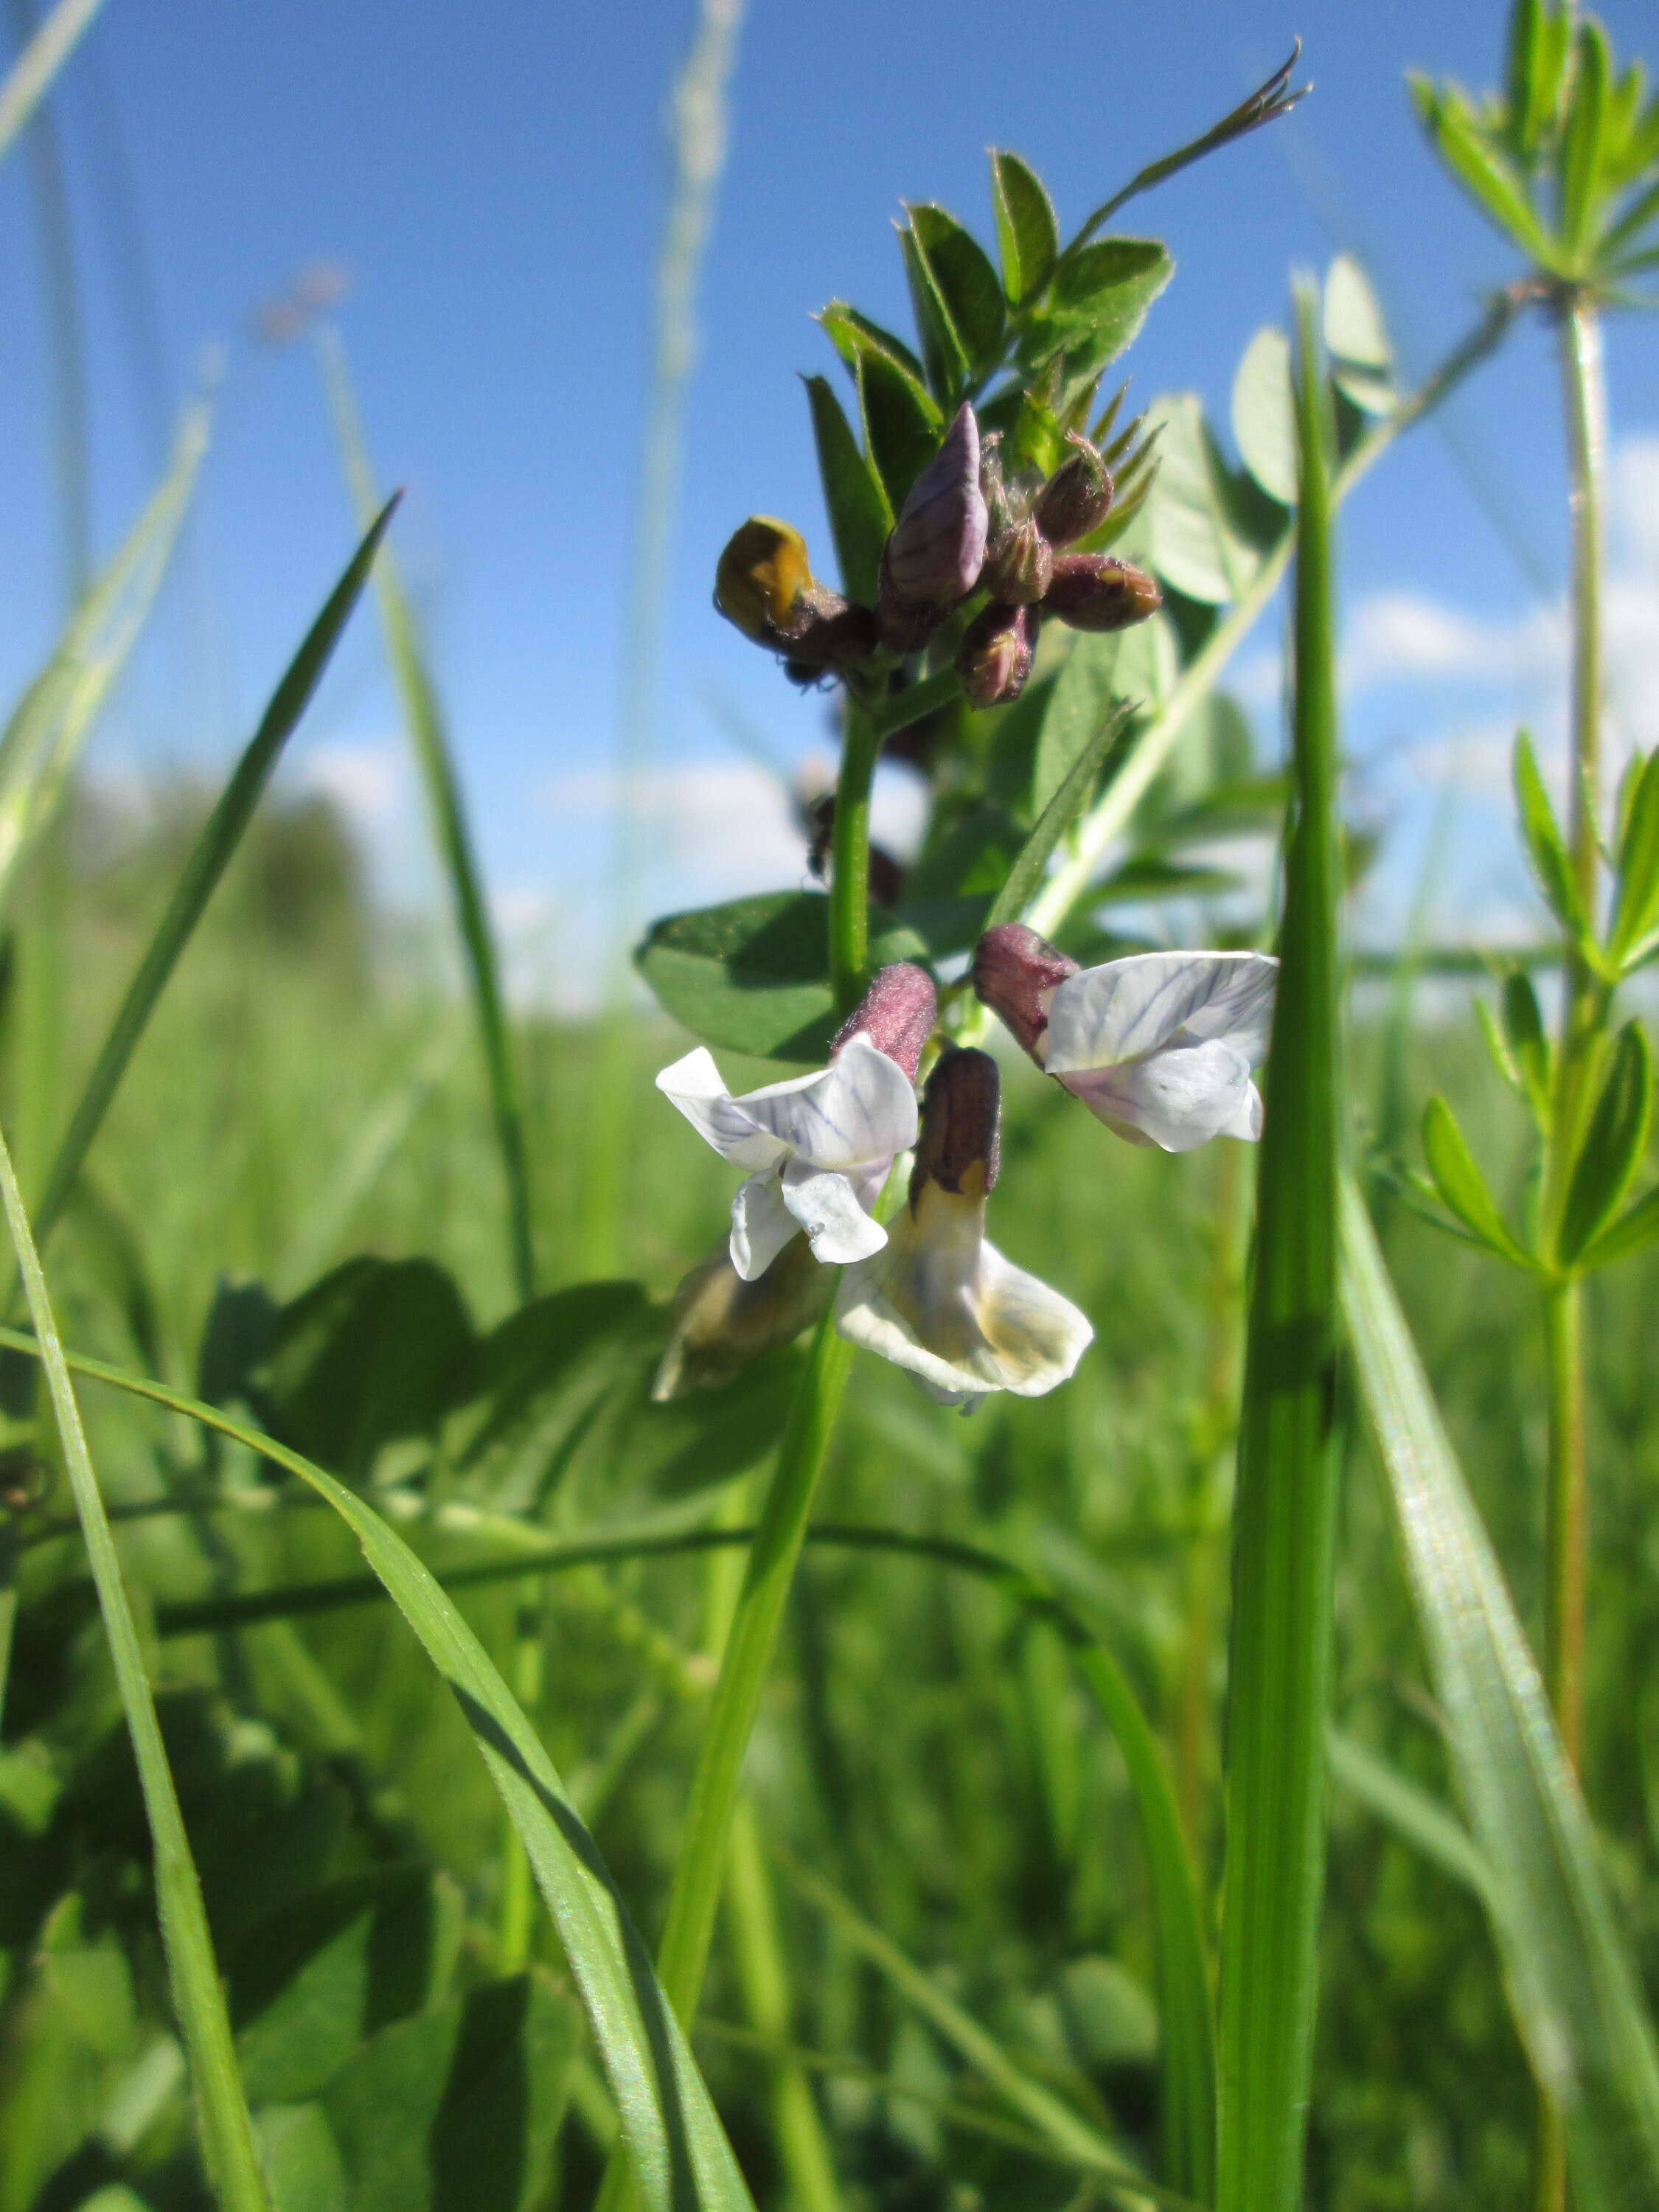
{"x": 896, "y": 1013}
{"x": 1018, "y": 567}
{"x": 1078, "y": 497}
{"x": 1014, "y": 968}
{"x": 957, "y": 1147}
{"x": 1091, "y": 591}
{"x": 937, "y": 546}
{"x": 994, "y": 657}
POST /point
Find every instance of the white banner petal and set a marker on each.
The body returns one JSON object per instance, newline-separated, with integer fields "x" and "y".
{"x": 1176, "y": 1099}
{"x": 1151, "y": 1000}
{"x": 694, "y": 1085}
{"x": 861, "y": 1108}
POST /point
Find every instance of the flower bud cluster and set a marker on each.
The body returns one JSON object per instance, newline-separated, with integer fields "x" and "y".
{"x": 961, "y": 529}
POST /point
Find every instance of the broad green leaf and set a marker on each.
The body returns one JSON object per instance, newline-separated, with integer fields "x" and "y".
{"x": 1285, "y": 1508}
{"x": 1097, "y": 303}
{"x": 301, "y": 2159}
{"x": 965, "y": 281}
{"x": 860, "y": 516}
{"x": 209, "y": 858}
{"x": 1028, "y": 236}
{"x": 681, "y": 2155}
{"x": 43, "y": 738}
{"x": 1485, "y": 175}
{"x": 1080, "y": 703}
{"x": 1198, "y": 542}
{"x": 944, "y": 353}
{"x": 1025, "y": 877}
{"x": 1573, "y": 1985}
{"x": 754, "y": 975}
{"x": 1613, "y": 1147}
{"x": 1461, "y": 1185}
{"x": 32, "y": 72}
{"x": 309, "y": 1982}
{"x": 1264, "y": 414}
{"x": 372, "y": 1353}
{"x": 198, "y": 1995}
{"x": 458, "y": 2107}
{"x": 1581, "y": 144}
{"x": 1545, "y": 848}
{"x": 903, "y": 425}
{"x": 1636, "y": 906}
{"x": 1356, "y": 338}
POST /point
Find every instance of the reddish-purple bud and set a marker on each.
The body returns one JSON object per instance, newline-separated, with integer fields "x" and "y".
{"x": 897, "y": 1014}
{"x": 1078, "y": 497}
{"x": 994, "y": 657}
{"x": 1014, "y": 968}
{"x": 1090, "y": 591}
{"x": 937, "y": 546}
{"x": 957, "y": 1147}
{"x": 1019, "y": 567}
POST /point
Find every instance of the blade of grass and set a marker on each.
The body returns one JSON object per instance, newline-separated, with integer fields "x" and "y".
{"x": 1284, "y": 1510}
{"x": 209, "y": 858}
{"x": 192, "y": 1972}
{"x": 681, "y": 2157}
{"x": 1572, "y": 1982}
{"x": 447, "y": 813}
{"x": 1400, "y": 1804}
{"x": 1186, "y": 2040}
{"x": 38, "y": 63}
{"x": 43, "y": 737}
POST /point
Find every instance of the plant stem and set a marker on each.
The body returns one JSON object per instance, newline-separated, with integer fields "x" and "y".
{"x": 694, "y": 1896}
{"x": 516, "y": 1918}
{"x": 849, "y": 879}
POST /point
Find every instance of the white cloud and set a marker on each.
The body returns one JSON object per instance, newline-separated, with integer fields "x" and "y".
{"x": 367, "y": 779}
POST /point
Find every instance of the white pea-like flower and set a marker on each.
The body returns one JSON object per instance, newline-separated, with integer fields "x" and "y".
{"x": 1162, "y": 1046}
{"x": 938, "y": 1300}
{"x": 817, "y": 1147}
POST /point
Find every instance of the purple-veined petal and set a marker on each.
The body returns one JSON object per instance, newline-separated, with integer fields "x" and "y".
{"x": 1150, "y": 1001}
{"x": 1178, "y": 1099}
{"x": 694, "y": 1085}
{"x": 859, "y": 1108}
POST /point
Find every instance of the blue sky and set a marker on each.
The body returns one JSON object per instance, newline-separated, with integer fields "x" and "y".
{"x": 493, "y": 180}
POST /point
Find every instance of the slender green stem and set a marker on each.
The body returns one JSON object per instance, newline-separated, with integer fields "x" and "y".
{"x": 849, "y": 879}
{"x": 694, "y": 1896}
{"x": 198, "y": 1997}
{"x": 516, "y": 1917}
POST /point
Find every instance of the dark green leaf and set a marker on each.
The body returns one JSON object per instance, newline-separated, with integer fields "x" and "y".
{"x": 301, "y": 2157}
{"x": 944, "y": 355}
{"x": 902, "y": 426}
{"x": 754, "y": 975}
{"x": 372, "y": 1353}
{"x": 965, "y": 281}
{"x": 1461, "y": 1185}
{"x": 1147, "y": 876}
{"x": 1613, "y": 1146}
{"x": 456, "y": 2111}
{"x": 309, "y": 1982}
{"x": 1264, "y": 416}
{"x": 1025, "y": 877}
{"x": 1028, "y": 236}
{"x": 859, "y": 517}
{"x": 1528, "y": 1045}
{"x": 1097, "y": 303}
{"x": 1634, "y": 1230}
